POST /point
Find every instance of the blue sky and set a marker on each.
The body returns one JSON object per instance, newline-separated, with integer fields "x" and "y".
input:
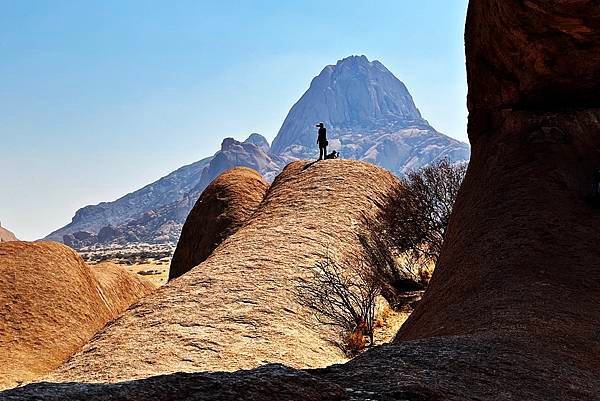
{"x": 98, "y": 98}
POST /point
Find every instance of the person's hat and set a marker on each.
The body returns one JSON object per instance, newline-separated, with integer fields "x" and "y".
{"x": 320, "y": 125}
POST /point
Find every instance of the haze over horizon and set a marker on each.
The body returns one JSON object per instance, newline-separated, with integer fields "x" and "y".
{"x": 99, "y": 100}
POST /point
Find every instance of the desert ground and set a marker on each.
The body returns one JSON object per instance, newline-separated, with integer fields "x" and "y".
{"x": 150, "y": 261}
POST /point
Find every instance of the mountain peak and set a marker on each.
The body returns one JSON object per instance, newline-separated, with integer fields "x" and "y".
{"x": 355, "y": 95}
{"x": 260, "y": 141}
{"x": 353, "y": 60}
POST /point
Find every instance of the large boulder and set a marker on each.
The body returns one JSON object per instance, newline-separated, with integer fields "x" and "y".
{"x": 52, "y": 304}
{"x": 518, "y": 270}
{"x": 237, "y": 310}
{"x": 535, "y": 54}
{"x": 220, "y": 211}
{"x": 521, "y": 249}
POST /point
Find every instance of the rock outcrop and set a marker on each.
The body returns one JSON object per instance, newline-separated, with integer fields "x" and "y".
{"x": 535, "y": 151}
{"x": 118, "y": 287}
{"x": 251, "y": 153}
{"x": 6, "y": 235}
{"x": 222, "y": 209}
{"x": 236, "y": 310}
{"x": 519, "y": 264}
{"x": 52, "y": 304}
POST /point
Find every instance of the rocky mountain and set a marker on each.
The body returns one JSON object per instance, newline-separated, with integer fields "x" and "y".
{"x": 370, "y": 116}
{"x": 163, "y": 223}
{"x": 254, "y": 153}
{"x": 165, "y": 191}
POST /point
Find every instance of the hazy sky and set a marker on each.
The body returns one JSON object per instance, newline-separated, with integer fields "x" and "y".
{"x": 98, "y": 98}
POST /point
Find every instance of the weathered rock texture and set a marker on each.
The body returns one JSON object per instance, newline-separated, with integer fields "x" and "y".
{"x": 534, "y": 54}
{"x": 222, "y": 209}
{"x": 237, "y": 310}
{"x": 520, "y": 258}
{"x": 51, "y": 304}
{"x": 118, "y": 287}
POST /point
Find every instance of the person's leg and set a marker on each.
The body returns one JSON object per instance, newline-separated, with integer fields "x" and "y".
{"x": 324, "y": 152}
{"x": 321, "y": 157}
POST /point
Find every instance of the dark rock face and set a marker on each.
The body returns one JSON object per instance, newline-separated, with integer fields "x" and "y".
{"x": 535, "y": 165}
{"x": 536, "y": 54}
{"x": 222, "y": 208}
{"x": 273, "y": 382}
{"x": 521, "y": 251}
{"x": 435, "y": 369}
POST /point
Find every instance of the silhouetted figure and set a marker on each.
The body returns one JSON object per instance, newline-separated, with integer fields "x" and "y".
{"x": 322, "y": 141}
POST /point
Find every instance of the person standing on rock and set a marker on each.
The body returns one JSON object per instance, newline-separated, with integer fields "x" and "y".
{"x": 322, "y": 141}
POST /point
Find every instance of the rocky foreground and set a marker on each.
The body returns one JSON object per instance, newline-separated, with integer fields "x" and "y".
{"x": 236, "y": 310}
{"x": 52, "y": 303}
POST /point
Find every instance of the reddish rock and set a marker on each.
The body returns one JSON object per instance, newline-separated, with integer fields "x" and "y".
{"x": 238, "y": 310}
{"x": 521, "y": 253}
{"x": 51, "y": 304}
{"x": 220, "y": 211}
{"x": 534, "y": 54}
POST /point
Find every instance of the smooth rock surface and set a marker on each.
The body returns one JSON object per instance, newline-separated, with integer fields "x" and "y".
{"x": 51, "y": 304}
{"x": 237, "y": 310}
{"x": 222, "y": 209}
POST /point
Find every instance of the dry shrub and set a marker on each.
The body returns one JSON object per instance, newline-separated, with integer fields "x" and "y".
{"x": 406, "y": 241}
{"x": 354, "y": 343}
{"x": 343, "y": 296}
